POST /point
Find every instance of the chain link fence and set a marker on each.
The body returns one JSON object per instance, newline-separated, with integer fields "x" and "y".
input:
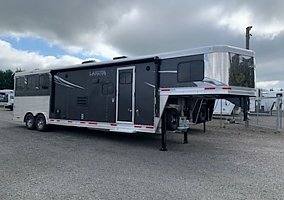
{"x": 266, "y": 112}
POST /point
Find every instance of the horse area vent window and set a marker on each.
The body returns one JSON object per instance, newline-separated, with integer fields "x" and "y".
{"x": 191, "y": 71}
{"x": 20, "y": 83}
{"x": 32, "y": 82}
{"x": 44, "y": 81}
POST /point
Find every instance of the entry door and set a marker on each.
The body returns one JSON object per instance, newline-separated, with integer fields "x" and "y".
{"x": 125, "y": 94}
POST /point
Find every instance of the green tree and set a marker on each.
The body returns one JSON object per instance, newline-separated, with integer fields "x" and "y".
{"x": 6, "y": 79}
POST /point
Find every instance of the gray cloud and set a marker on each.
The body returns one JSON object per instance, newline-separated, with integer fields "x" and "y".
{"x": 143, "y": 27}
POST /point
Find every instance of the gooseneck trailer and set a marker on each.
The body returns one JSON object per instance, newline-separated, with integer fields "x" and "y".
{"x": 150, "y": 94}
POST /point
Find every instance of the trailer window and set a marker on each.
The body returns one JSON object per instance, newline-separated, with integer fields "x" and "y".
{"x": 241, "y": 71}
{"x": 20, "y": 83}
{"x": 32, "y": 82}
{"x": 107, "y": 88}
{"x": 44, "y": 81}
{"x": 125, "y": 78}
{"x": 191, "y": 71}
{"x": 3, "y": 97}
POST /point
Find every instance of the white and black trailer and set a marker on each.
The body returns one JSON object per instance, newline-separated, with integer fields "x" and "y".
{"x": 148, "y": 94}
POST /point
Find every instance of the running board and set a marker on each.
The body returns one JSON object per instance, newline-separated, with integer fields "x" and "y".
{"x": 124, "y": 130}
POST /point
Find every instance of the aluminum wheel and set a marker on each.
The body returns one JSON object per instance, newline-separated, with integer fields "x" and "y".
{"x": 40, "y": 123}
{"x": 30, "y": 121}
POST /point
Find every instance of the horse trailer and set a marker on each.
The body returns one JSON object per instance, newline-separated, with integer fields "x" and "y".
{"x": 149, "y": 94}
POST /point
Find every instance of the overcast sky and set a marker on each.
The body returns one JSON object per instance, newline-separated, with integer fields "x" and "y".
{"x": 38, "y": 34}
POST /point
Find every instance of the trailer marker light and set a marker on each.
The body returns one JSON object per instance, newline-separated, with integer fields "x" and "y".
{"x": 82, "y": 122}
{"x": 150, "y": 127}
{"x": 226, "y": 88}
{"x": 69, "y": 121}
{"x": 137, "y": 126}
{"x": 58, "y": 120}
{"x": 113, "y": 124}
{"x": 93, "y": 123}
{"x": 210, "y": 88}
{"x": 52, "y": 120}
{"x": 166, "y": 89}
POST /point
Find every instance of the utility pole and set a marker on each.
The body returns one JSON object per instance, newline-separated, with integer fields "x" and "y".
{"x": 248, "y": 35}
{"x": 246, "y": 100}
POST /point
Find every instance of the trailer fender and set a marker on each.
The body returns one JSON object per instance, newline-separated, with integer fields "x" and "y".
{"x": 36, "y": 114}
{"x": 45, "y": 115}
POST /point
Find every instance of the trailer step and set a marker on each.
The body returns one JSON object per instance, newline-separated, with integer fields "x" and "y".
{"x": 124, "y": 130}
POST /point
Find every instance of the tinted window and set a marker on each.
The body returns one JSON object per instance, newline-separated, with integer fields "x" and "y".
{"x": 191, "y": 71}
{"x": 20, "y": 83}
{"x": 33, "y": 85}
{"x": 32, "y": 82}
{"x": 44, "y": 81}
{"x": 125, "y": 78}
{"x": 241, "y": 71}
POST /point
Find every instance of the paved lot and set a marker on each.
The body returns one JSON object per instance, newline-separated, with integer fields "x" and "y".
{"x": 227, "y": 163}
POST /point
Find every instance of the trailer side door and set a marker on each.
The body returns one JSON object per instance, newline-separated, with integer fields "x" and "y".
{"x": 125, "y": 94}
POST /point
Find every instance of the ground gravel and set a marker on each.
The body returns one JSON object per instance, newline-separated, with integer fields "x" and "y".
{"x": 228, "y": 162}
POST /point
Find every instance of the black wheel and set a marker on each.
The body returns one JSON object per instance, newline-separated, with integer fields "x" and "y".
{"x": 172, "y": 119}
{"x": 40, "y": 123}
{"x": 30, "y": 121}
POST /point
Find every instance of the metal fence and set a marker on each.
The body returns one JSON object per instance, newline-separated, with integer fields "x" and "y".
{"x": 266, "y": 112}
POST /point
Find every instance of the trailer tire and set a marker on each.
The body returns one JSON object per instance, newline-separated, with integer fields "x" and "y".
{"x": 40, "y": 122}
{"x": 30, "y": 121}
{"x": 172, "y": 119}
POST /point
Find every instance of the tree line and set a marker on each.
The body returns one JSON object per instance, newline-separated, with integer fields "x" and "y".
{"x": 6, "y": 79}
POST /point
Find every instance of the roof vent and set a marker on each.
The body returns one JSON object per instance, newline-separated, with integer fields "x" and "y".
{"x": 119, "y": 57}
{"x": 88, "y": 61}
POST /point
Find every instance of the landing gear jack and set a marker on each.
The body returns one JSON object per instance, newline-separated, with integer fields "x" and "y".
{"x": 164, "y": 130}
{"x": 185, "y": 141}
{"x": 164, "y": 135}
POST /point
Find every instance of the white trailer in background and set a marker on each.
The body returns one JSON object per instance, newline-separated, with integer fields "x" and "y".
{"x": 223, "y": 107}
{"x": 4, "y": 93}
{"x": 265, "y": 101}
{"x": 7, "y": 98}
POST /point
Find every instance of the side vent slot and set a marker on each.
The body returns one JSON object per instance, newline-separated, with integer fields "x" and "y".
{"x": 82, "y": 101}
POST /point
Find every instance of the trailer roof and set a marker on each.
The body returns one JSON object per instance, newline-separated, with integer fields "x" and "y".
{"x": 6, "y": 91}
{"x": 167, "y": 55}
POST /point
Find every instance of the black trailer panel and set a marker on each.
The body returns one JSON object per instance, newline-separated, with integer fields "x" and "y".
{"x": 144, "y": 93}
{"x": 105, "y": 94}
{"x": 182, "y": 71}
{"x": 85, "y": 94}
